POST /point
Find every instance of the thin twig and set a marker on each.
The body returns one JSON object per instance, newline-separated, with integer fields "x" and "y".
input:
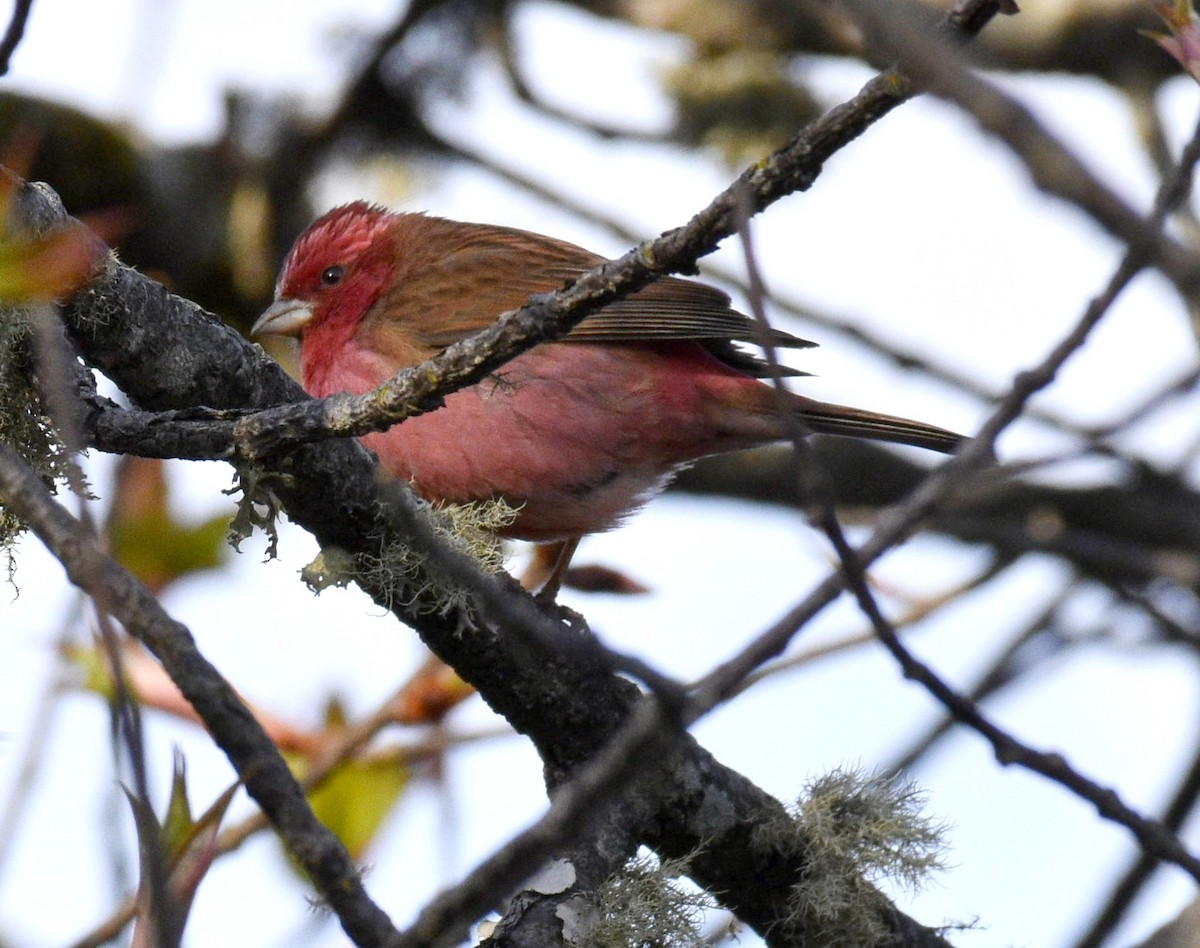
{"x": 1054, "y": 168}
{"x": 15, "y": 33}
{"x": 1154, "y": 837}
{"x": 998, "y": 675}
{"x": 341, "y": 749}
{"x": 54, "y": 360}
{"x": 858, "y": 639}
{"x": 1126, "y": 889}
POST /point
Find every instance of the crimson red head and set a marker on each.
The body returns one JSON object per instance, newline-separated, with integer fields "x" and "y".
{"x": 332, "y": 250}
{"x": 336, "y": 270}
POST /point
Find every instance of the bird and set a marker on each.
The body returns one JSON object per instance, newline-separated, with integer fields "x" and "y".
{"x": 574, "y": 434}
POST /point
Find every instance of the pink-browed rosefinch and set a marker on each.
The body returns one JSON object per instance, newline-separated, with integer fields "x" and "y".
{"x": 577, "y": 433}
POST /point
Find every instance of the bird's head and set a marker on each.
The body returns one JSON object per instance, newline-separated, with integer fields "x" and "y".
{"x": 333, "y": 274}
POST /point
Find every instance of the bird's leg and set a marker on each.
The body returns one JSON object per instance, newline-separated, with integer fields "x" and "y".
{"x": 565, "y": 550}
{"x": 546, "y": 570}
{"x": 540, "y": 565}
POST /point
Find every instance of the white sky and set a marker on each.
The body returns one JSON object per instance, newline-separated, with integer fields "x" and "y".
{"x": 923, "y": 229}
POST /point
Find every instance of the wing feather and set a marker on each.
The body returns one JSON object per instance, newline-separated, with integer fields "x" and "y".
{"x": 481, "y": 271}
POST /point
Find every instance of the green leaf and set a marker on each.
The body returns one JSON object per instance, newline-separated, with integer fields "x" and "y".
{"x": 357, "y": 797}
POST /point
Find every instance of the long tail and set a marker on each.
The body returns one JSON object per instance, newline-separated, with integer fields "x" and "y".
{"x": 826, "y": 418}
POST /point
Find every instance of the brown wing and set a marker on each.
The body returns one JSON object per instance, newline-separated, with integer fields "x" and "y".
{"x": 460, "y": 277}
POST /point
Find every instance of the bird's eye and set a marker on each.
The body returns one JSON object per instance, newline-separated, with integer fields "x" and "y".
{"x": 332, "y": 276}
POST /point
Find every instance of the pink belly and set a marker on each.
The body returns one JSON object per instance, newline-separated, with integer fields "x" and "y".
{"x": 577, "y": 436}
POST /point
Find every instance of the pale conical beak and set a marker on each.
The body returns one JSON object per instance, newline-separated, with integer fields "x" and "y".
{"x": 283, "y": 318}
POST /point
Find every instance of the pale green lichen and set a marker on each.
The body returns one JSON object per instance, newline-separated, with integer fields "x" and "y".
{"x": 333, "y": 566}
{"x": 24, "y": 423}
{"x": 474, "y": 529}
{"x": 853, "y": 831}
{"x": 648, "y": 905}
{"x": 412, "y": 577}
{"x": 257, "y": 507}
{"x": 402, "y": 573}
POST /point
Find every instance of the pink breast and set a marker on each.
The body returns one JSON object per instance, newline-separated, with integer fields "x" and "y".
{"x": 577, "y": 435}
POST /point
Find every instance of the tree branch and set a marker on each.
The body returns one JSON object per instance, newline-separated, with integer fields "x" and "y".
{"x": 252, "y": 753}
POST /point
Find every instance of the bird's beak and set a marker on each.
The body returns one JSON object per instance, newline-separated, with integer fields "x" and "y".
{"x": 284, "y": 317}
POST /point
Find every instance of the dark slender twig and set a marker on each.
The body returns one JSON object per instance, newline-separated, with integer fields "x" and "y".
{"x": 55, "y": 359}
{"x": 999, "y": 674}
{"x": 1142, "y": 100}
{"x": 1182, "y": 384}
{"x": 369, "y": 71}
{"x": 858, "y": 640}
{"x": 1171, "y": 629}
{"x": 1138, "y": 874}
{"x": 1153, "y": 836}
{"x": 524, "y": 93}
{"x": 1053, "y": 167}
{"x": 15, "y": 33}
